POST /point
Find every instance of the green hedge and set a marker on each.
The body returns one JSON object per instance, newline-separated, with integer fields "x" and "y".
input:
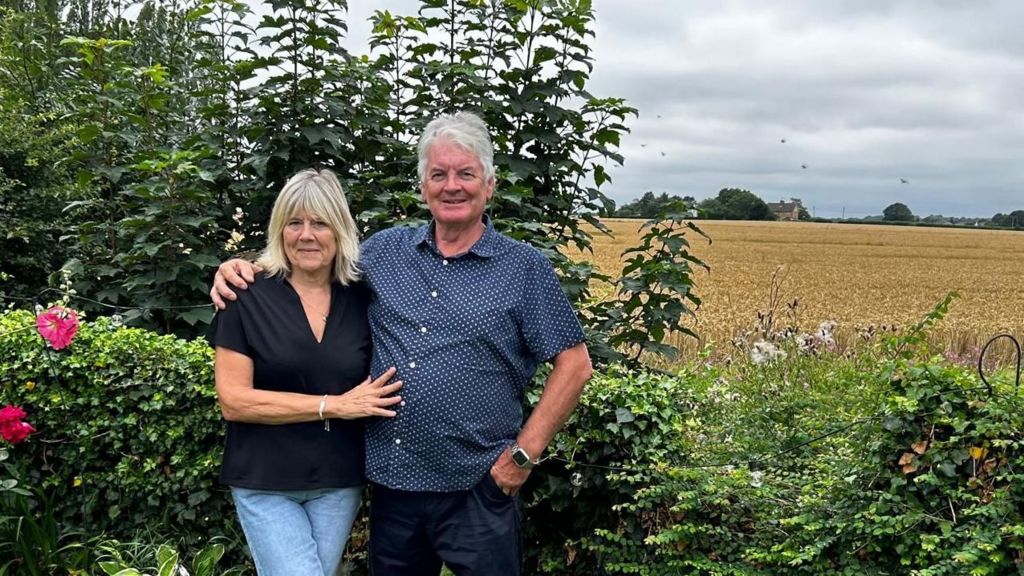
{"x": 648, "y": 477}
{"x": 129, "y": 435}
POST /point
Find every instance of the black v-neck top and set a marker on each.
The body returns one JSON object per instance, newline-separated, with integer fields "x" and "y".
{"x": 267, "y": 324}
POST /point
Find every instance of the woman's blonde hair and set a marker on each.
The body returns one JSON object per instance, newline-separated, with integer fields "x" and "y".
{"x": 316, "y": 194}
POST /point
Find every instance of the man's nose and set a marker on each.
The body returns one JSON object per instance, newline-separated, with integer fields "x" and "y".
{"x": 451, "y": 182}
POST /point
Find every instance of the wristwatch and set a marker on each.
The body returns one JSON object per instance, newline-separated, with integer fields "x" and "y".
{"x": 521, "y": 458}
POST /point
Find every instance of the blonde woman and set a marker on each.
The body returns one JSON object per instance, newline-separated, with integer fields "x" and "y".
{"x": 292, "y": 358}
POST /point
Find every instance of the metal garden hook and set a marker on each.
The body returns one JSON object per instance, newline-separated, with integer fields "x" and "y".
{"x": 981, "y": 358}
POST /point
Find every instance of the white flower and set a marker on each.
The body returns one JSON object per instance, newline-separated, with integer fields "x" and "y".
{"x": 236, "y": 238}
{"x": 805, "y": 342}
{"x": 824, "y": 333}
{"x": 764, "y": 352}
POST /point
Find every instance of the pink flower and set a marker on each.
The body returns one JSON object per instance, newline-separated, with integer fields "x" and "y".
{"x": 11, "y": 413}
{"x": 15, "y": 432}
{"x": 12, "y": 428}
{"x": 58, "y": 326}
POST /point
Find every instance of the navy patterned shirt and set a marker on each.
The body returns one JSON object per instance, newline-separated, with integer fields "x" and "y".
{"x": 466, "y": 334}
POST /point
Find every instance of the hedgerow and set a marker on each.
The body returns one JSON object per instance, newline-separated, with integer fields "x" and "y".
{"x": 809, "y": 464}
{"x": 129, "y": 434}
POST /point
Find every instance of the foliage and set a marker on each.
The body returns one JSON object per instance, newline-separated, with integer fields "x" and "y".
{"x": 187, "y": 118}
{"x": 939, "y": 490}
{"x": 34, "y": 188}
{"x": 128, "y": 434}
{"x": 897, "y": 212}
{"x": 863, "y": 467}
{"x": 735, "y": 204}
{"x": 879, "y": 461}
{"x": 32, "y": 541}
{"x": 145, "y": 234}
{"x": 654, "y": 293}
{"x": 1014, "y": 219}
{"x": 650, "y": 206}
{"x": 164, "y": 560}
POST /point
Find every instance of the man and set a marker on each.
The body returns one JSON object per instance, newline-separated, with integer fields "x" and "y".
{"x": 466, "y": 314}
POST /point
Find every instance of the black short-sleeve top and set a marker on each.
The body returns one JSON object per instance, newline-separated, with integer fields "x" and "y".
{"x": 267, "y": 324}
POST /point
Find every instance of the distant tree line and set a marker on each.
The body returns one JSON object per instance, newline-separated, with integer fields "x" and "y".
{"x": 738, "y": 204}
{"x": 899, "y": 212}
{"x": 1014, "y": 219}
{"x": 650, "y": 206}
{"x": 730, "y": 204}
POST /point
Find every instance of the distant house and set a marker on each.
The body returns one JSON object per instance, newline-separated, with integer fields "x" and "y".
{"x": 786, "y": 210}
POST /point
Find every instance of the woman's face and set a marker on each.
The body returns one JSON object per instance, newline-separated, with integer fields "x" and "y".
{"x": 309, "y": 243}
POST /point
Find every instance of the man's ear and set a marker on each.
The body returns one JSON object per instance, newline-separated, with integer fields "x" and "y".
{"x": 490, "y": 188}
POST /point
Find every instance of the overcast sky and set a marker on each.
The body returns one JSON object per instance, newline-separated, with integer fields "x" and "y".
{"x": 864, "y": 92}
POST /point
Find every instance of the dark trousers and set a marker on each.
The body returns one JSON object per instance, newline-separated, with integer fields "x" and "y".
{"x": 474, "y": 532}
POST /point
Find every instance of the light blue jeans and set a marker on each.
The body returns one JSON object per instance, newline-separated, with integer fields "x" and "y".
{"x": 297, "y": 532}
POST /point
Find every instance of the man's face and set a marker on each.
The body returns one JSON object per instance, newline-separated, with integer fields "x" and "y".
{"x": 454, "y": 187}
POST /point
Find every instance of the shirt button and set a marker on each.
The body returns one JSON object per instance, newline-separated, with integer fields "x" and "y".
{"x": 434, "y": 294}
{"x": 445, "y": 262}
{"x": 412, "y": 364}
{"x": 398, "y": 440}
{"x": 402, "y": 403}
{"x": 423, "y": 329}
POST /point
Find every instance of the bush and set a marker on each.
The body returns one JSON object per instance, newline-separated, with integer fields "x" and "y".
{"x": 881, "y": 463}
{"x": 900, "y": 465}
{"x": 129, "y": 435}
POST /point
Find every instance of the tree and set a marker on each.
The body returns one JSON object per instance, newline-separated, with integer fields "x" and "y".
{"x": 176, "y": 152}
{"x": 649, "y": 206}
{"x": 735, "y": 204}
{"x": 935, "y": 219}
{"x": 897, "y": 212}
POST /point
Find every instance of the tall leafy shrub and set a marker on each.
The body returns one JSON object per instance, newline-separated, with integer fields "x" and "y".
{"x": 189, "y": 116}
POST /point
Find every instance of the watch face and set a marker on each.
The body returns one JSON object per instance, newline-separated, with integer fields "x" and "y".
{"x": 520, "y": 457}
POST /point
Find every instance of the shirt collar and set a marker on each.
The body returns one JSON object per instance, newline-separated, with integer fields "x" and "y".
{"x": 485, "y": 247}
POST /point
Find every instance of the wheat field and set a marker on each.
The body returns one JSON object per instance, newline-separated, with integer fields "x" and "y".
{"x": 859, "y": 276}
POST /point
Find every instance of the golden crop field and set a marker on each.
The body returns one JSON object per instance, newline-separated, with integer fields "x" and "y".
{"x": 855, "y": 275}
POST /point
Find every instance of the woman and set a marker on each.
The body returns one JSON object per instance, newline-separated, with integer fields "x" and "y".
{"x": 290, "y": 355}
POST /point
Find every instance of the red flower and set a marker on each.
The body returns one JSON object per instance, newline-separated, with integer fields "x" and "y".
{"x": 12, "y": 428}
{"x": 58, "y": 326}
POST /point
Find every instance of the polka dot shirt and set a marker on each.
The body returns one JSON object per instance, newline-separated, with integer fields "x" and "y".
{"x": 466, "y": 334}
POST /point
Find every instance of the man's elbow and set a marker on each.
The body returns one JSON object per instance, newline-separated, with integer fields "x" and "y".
{"x": 584, "y": 367}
